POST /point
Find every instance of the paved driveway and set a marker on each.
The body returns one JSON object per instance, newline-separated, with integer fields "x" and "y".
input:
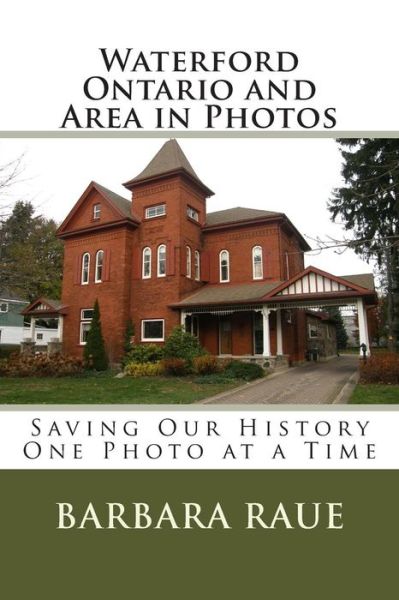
{"x": 311, "y": 383}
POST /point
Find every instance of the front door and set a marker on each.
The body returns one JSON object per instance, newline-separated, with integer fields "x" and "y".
{"x": 225, "y": 346}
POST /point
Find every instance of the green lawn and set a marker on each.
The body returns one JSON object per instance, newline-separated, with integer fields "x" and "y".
{"x": 106, "y": 389}
{"x": 375, "y": 393}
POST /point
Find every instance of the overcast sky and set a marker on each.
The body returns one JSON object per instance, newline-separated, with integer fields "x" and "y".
{"x": 294, "y": 176}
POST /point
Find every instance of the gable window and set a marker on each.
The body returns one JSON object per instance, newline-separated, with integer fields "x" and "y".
{"x": 152, "y": 330}
{"x": 86, "y": 317}
{"x": 155, "y": 211}
{"x": 85, "y": 268}
{"x": 99, "y": 266}
{"x": 188, "y": 261}
{"x": 257, "y": 262}
{"x": 197, "y": 273}
{"x": 96, "y": 211}
{"x": 192, "y": 213}
{"x": 4, "y": 307}
{"x": 146, "y": 263}
{"x": 161, "y": 262}
{"x": 224, "y": 265}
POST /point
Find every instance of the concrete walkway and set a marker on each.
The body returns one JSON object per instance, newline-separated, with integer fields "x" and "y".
{"x": 312, "y": 383}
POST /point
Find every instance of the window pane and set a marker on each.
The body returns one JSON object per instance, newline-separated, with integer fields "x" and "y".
{"x": 224, "y": 266}
{"x": 85, "y": 268}
{"x": 155, "y": 211}
{"x": 153, "y": 330}
{"x": 87, "y": 314}
{"x": 99, "y": 265}
{"x": 161, "y": 260}
{"x": 84, "y": 331}
{"x": 147, "y": 262}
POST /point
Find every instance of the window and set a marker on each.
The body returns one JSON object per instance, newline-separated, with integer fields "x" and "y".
{"x": 192, "y": 213}
{"x": 313, "y": 333}
{"x": 146, "y": 263}
{"x": 224, "y": 259}
{"x": 257, "y": 263}
{"x": 96, "y": 211}
{"x": 4, "y": 307}
{"x": 39, "y": 336}
{"x": 188, "y": 261}
{"x": 197, "y": 273}
{"x": 86, "y": 316}
{"x": 99, "y": 266}
{"x": 152, "y": 330}
{"x": 155, "y": 211}
{"x": 85, "y": 268}
{"x": 161, "y": 270}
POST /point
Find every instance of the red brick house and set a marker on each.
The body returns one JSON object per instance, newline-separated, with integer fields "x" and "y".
{"x": 235, "y": 277}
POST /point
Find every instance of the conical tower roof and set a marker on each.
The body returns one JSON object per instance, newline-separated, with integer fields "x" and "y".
{"x": 169, "y": 160}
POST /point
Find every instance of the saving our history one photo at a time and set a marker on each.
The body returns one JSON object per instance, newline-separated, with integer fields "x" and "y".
{"x": 159, "y": 286}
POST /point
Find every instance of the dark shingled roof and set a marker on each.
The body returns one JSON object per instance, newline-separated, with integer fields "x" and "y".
{"x": 365, "y": 280}
{"x": 231, "y": 215}
{"x": 219, "y": 294}
{"x": 169, "y": 159}
{"x": 122, "y": 204}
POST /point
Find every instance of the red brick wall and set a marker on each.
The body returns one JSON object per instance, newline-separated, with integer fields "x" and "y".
{"x": 84, "y": 216}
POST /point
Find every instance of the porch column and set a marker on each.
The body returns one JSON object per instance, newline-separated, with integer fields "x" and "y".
{"x": 183, "y": 318}
{"x": 280, "y": 350}
{"x": 363, "y": 328}
{"x": 266, "y": 332}
{"x": 60, "y": 328}
{"x": 33, "y": 329}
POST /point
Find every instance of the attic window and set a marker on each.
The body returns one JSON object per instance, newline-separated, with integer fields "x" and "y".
{"x": 192, "y": 213}
{"x": 4, "y": 307}
{"x": 96, "y": 211}
{"x": 155, "y": 211}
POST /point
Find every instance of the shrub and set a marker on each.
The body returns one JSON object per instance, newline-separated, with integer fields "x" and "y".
{"x": 206, "y": 364}
{"x": 181, "y": 344}
{"x": 40, "y": 365}
{"x": 7, "y": 349}
{"x": 148, "y": 369}
{"x": 144, "y": 353}
{"x": 380, "y": 368}
{"x": 94, "y": 353}
{"x": 243, "y": 370}
{"x": 175, "y": 366}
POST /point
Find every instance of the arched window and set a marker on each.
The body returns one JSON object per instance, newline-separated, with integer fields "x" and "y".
{"x": 224, "y": 263}
{"x": 85, "y": 268}
{"x": 99, "y": 266}
{"x": 188, "y": 261}
{"x": 197, "y": 273}
{"x": 161, "y": 269}
{"x": 146, "y": 263}
{"x": 257, "y": 262}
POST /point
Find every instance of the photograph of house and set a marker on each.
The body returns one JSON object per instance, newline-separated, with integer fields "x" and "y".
{"x": 235, "y": 278}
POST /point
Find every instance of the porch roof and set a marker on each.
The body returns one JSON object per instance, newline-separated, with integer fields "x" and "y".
{"x": 44, "y": 307}
{"x": 227, "y": 293}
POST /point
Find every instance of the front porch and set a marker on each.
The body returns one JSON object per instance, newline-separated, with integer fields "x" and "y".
{"x": 44, "y": 309}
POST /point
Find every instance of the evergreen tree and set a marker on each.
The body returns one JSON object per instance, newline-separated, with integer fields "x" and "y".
{"x": 94, "y": 354}
{"x": 129, "y": 333}
{"x": 368, "y": 206}
{"x": 342, "y": 336}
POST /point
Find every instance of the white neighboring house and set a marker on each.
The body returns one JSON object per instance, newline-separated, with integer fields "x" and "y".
{"x": 12, "y": 329}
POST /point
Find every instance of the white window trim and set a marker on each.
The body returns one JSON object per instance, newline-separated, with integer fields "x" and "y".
{"x": 83, "y": 321}
{"x": 197, "y": 266}
{"x": 143, "y": 339}
{"x": 253, "y": 262}
{"x": 155, "y": 206}
{"x": 188, "y": 262}
{"x": 96, "y": 211}
{"x": 159, "y": 274}
{"x": 195, "y": 214}
{"x": 143, "y": 262}
{"x": 83, "y": 269}
{"x": 220, "y": 267}
{"x": 96, "y": 279}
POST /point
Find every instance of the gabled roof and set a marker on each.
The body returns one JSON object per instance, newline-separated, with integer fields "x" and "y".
{"x": 43, "y": 306}
{"x": 314, "y": 281}
{"x": 237, "y": 214}
{"x": 365, "y": 280}
{"x": 119, "y": 205}
{"x": 169, "y": 160}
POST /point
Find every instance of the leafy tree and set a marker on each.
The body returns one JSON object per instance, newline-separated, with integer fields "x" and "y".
{"x": 368, "y": 205}
{"x": 30, "y": 254}
{"x": 94, "y": 354}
